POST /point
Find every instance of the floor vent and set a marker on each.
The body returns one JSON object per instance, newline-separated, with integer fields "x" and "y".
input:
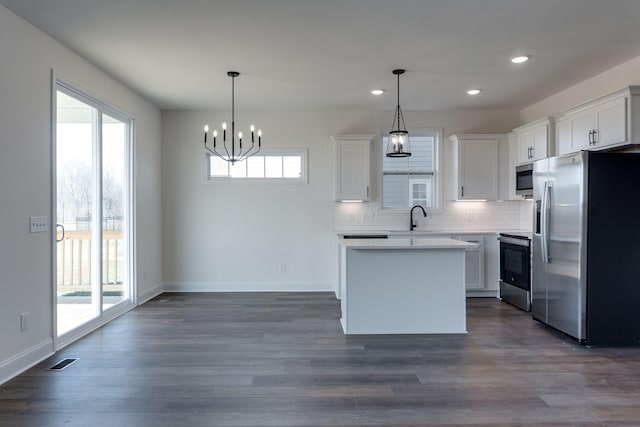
{"x": 61, "y": 365}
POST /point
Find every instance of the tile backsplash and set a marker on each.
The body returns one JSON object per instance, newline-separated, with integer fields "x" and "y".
{"x": 456, "y": 216}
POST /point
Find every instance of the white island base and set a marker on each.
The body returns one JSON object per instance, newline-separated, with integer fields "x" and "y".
{"x": 403, "y": 286}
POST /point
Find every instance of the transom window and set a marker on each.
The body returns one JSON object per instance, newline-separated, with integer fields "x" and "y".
{"x": 409, "y": 181}
{"x": 270, "y": 165}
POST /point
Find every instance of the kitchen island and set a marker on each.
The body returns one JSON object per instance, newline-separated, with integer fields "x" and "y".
{"x": 403, "y": 285}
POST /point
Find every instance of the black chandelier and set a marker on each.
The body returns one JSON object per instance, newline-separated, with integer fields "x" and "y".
{"x": 232, "y": 153}
{"x": 398, "y": 144}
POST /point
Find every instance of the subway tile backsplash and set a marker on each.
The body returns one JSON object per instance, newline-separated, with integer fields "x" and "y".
{"x": 453, "y": 216}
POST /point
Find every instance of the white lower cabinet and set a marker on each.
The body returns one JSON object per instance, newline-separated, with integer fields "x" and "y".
{"x": 474, "y": 262}
{"x": 482, "y": 264}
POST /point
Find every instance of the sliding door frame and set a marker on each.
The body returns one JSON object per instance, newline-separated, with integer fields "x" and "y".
{"x": 103, "y": 108}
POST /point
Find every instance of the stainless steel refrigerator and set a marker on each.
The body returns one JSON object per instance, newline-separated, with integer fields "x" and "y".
{"x": 586, "y": 246}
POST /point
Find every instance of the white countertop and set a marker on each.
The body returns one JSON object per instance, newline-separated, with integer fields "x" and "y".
{"x": 425, "y": 233}
{"x": 407, "y": 243}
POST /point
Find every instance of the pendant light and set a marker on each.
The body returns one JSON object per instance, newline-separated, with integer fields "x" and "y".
{"x": 232, "y": 153}
{"x": 398, "y": 144}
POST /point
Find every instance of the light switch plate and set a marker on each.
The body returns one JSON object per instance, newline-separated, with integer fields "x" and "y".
{"x": 38, "y": 224}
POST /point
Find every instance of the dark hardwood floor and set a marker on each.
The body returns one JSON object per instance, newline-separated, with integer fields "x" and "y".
{"x": 280, "y": 359}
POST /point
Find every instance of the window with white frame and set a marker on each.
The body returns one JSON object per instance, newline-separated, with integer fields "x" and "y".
{"x": 410, "y": 181}
{"x": 270, "y": 165}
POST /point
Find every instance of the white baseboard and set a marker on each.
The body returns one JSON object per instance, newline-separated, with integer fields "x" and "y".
{"x": 249, "y": 287}
{"x": 25, "y": 360}
{"x": 482, "y": 293}
{"x": 149, "y": 294}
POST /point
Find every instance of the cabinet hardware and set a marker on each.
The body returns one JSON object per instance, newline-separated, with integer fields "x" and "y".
{"x": 462, "y": 191}
{"x": 367, "y": 191}
{"x": 594, "y": 137}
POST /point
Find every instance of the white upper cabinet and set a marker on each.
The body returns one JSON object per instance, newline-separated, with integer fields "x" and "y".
{"x": 535, "y": 140}
{"x": 603, "y": 123}
{"x": 353, "y": 167}
{"x": 475, "y": 174}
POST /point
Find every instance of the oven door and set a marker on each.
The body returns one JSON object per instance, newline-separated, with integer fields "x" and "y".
{"x": 515, "y": 263}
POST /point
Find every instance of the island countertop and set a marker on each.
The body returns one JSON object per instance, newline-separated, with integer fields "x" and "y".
{"x": 406, "y": 243}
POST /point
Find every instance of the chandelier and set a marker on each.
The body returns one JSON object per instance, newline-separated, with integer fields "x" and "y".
{"x": 228, "y": 151}
{"x": 398, "y": 144}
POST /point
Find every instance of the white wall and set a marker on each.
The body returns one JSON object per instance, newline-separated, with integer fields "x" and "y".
{"x": 625, "y": 74}
{"x": 234, "y": 236}
{"x": 26, "y": 59}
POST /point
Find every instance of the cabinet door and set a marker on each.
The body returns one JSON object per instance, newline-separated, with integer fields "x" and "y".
{"x": 525, "y": 147}
{"x": 563, "y": 136}
{"x": 581, "y": 125}
{"x": 540, "y": 142}
{"x": 611, "y": 123}
{"x": 353, "y": 173}
{"x": 478, "y": 169}
{"x": 473, "y": 269}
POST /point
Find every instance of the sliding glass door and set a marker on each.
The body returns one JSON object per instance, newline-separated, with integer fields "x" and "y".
{"x": 93, "y": 249}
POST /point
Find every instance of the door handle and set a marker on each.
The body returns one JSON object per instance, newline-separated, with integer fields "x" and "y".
{"x": 62, "y": 228}
{"x": 544, "y": 241}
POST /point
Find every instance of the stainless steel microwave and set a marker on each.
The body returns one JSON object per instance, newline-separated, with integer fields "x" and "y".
{"x": 524, "y": 180}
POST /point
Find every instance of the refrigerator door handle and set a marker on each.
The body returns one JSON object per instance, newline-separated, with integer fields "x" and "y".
{"x": 546, "y": 199}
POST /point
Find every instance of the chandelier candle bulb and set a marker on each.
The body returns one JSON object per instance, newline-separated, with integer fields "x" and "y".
{"x": 240, "y": 138}
{"x": 206, "y": 130}
{"x": 215, "y": 134}
{"x": 259, "y": 137}
{"x": 252, "y": 130}
{"x": 224, "y": 130}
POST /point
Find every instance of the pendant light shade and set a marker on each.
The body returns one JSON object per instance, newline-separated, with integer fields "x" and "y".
{"x": 398, "y": 144}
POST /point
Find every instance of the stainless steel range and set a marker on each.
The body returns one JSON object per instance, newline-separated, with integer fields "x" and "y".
{"x": 515, "y": 270}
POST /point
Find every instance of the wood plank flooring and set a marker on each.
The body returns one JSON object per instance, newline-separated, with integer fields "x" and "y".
{"x": 280, "y": 359}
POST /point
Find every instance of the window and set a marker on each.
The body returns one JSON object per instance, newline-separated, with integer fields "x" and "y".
{"x": 409, "y": 181}
{"x": 270, "y": 165}
{"x": 419, "y": 191}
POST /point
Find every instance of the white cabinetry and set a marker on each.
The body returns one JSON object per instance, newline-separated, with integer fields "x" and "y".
{"x": 607, "y": 122}
{"x": 535, "y": 140}
{"x": 353, "y": 170}
{"x": 474, "y": 262}
{"x": 475, "y": 174}
{"x": 482, "y": 263}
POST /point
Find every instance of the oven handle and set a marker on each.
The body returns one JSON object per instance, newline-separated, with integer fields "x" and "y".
{"x": 514, "y": 241}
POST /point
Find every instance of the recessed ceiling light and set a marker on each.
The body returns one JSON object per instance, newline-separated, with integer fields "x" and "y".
{"x": 520, "y": 59}
{"x": 377, "y": 91}
{"x": 473, "y": 91}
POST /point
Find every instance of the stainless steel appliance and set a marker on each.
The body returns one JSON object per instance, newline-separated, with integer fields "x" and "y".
{"x": 515, "y": 270}
{"x": 586, "y": 246}
{"x": 524, "y": 180}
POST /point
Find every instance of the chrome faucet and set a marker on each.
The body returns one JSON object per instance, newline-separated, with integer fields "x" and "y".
{"x": 412, "y": 224}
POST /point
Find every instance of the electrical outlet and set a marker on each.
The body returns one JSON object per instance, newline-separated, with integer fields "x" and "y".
{"x": 283, "y": 268}
{"x": 469, "y": 216}
{"x": 24, "y": 321}
{"x": 350, "y": 217}
{"x": 367, "y": 216}
{"x": 145, "y": 275}
{"x": 38, "y": 224}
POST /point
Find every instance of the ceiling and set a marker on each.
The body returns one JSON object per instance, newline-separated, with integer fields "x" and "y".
{"x": 328, "y": 54}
